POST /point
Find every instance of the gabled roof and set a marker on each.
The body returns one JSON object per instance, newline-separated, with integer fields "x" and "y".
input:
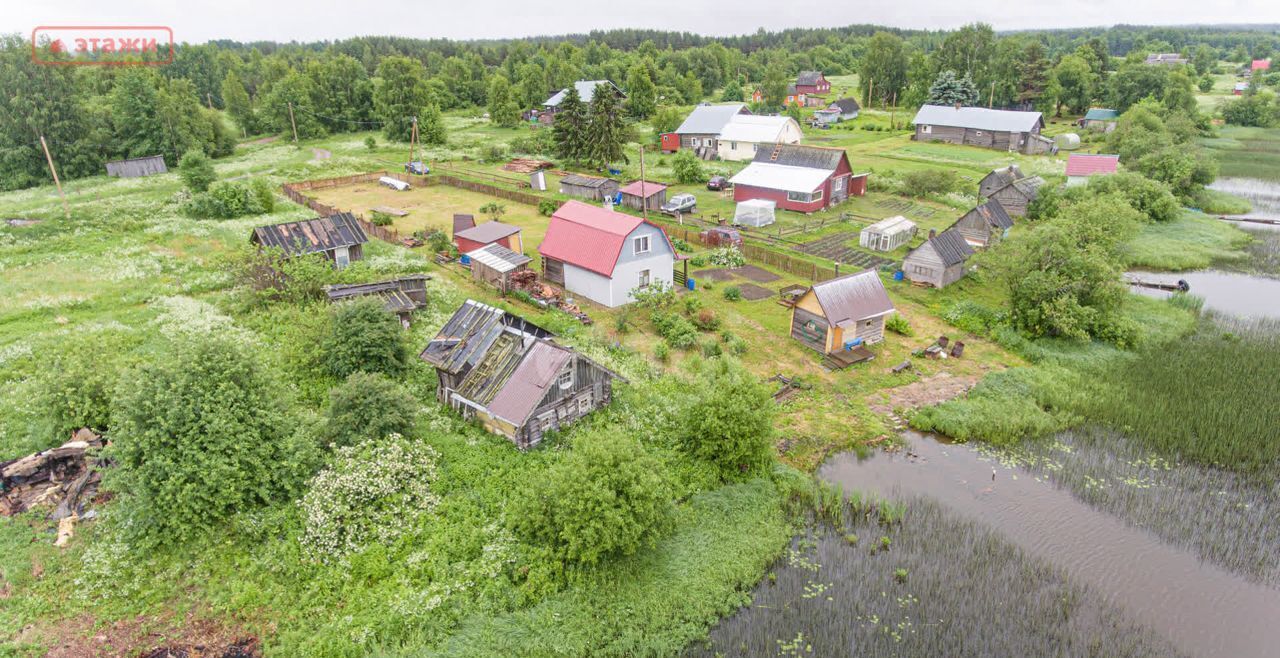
{"x": 994, "y": 214}
{"x": 978, "y": 118}
{"x": 1260, "y": 65}
{"x": 809, "y": 77}
{"x": 586, "y": 91}
{"x": 650, "y": 188}
{"x": 781, "y": 177}
{"x": 710, "y": 119}
{"x": 580, "y": 180}
{"x": 1004, "y": 175}
{"x": 498, "y": 258}
{"x": 890, "y": 225}
{"x": 517, "y": 396}
{"x": 1101, "y": 114}
{"x": 1029, "y": 187}
{"x": 590, "y": 237}
{"x": 487, "y": 232}
{"x": 796, "y": 155}
{"x": 846, "y": 105}
{"x": 312, "y": 235}
{"x": 1084, "y": 164}
{"x": 791, "y": 89}
{"x": 853, "y": 297}
{"x": 462, "y": 222}
{"x": 753, "y": 128}
{"x": 467, "y": 336}
{"x": 950, "y": 246}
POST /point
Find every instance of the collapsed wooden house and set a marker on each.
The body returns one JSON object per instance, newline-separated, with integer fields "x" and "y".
{"x": 589, "y": 187}
{"x": 339, "y": 238}
{"x": 839, "y": 317}
{"x": 985, "y": 225}
{"x": 510, "y": 376}
{"x": 137, "y": 167}
{"x": 1018, "y": 195}
{"x": 401, "y": 296}
{"x": 940, "y": 261}
{"x": 494, "y": 264}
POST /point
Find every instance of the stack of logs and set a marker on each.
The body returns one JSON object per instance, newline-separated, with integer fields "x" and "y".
{"x": 62, "y": 478}
{"x": 527, "y": 281}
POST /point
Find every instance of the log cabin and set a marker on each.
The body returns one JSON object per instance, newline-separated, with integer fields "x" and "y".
{"x": 842, "y": 313}
{"x": 939, "y": 261}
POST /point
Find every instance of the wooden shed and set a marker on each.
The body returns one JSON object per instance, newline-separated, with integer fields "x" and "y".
{"x": 887, "y": 234}
{"x": 1016, "y": 196}
{"x": 339, "y": 237}
{"x": 997, "y": 179}
{"x": 985, "y": 225}
{"x": 401, "y": 296}
{"x": 494, "y": 264}
{"x": 507, "y": 235}
{"x": 137, "y": 167}
{"x": 842, "y": 314}
{"x": 653, "y": 195}
{"x": 939, "y": 261}
{"x": 589, "y": 187}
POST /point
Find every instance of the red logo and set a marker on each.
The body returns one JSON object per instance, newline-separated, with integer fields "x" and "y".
{"x": 102, "y": 45}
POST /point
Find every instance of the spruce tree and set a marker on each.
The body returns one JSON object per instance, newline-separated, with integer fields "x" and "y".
{"x": 431, "y": 126}
{"x": 950, "y": 89}
{"x": 606, "y": 133}
{"x": 569, "y": 131}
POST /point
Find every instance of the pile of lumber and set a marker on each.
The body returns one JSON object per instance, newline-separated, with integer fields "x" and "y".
{"x": 62, "y": 478}
{"x": 527, "y": 165}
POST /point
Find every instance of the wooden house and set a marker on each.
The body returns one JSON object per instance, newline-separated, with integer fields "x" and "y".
{"x": 605, "y": 256}
{"x": 997, "y": 179}
{"x": 401, "y": 296}
{"x": 801, "y": 178}
{"x": 795, "y": 97}
{"x": 1016, "y": 196}
{"x": 887, "y": 234}
{"x": 746, "y": 134}
{"x": 700, "y": 131}
{"x": 494, "y": 264}
{"x": 1100, "y": 119}
{"x": 985, "y": 225}
{"x": 812, "y": 83}
{"x": 339, "y": 238}
{"x": 489, "y": 233}
{"x": 510, "y": 376}
{"x": 1082, "y": 166}
{"x": 652, "y": 196}
{"x": 1166, "y": 59}
{"x": 137, "y": 167}
{"x": 940, "y": 260}
{"x": 842, "y": 315}
{"x": 589, "y": 187}
{"x": 1004, "y": 130}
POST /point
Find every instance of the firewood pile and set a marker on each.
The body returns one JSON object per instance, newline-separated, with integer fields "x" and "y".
{"x": 546, "y": 295}
{"x": 411, "y": 242}
{"x": 62, "y": 478}
{"x": 527, "y": 165}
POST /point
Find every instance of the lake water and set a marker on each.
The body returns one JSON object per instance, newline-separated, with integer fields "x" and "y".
{"x": 1202, "y": 609}
{"x": 1241, "y": 295}
{"x": 1264, "y": 195}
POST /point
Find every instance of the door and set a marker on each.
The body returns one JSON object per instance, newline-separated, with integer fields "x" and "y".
{"x": 341, "y": 257}
{"x": 553, "y": 271}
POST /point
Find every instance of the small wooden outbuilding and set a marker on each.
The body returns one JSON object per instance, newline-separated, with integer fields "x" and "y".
{"x": 494, "y": 264}
{"x": 589, "y": 187}
{"x": 887, "y": 234}
{"x": 339, "y": 237}
{"x": 997, "y": 179}
{"x": 495, "y": 232}
{"x": 939, "y": 261}
{"x": 985, "y": 225}
{"x": 137, "y": 167}
{"x": 1016, "y": 196}
{"x": 653, "y": 195}
{"x": 1101, "y": 119}
{"x": 841, "y": 314}
{"x": 401, "y": 296}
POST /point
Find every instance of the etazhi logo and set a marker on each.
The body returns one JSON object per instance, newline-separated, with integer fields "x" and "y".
{"x": 102, "y": 45}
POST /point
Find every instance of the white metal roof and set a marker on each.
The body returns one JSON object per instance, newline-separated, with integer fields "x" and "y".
{"x": 757, "y": 129}
{"x": 498, "y": 257}
{"x": 709, "y": 119}
{"x": 393, "y": 182}
{"x": 978, "y": 118}
{"x": 781, "y": 177}
{"x": 892, "y": 225}
{"x": 586, "y": 91}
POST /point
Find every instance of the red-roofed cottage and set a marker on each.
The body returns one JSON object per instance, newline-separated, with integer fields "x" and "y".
{"x": 604, "y": 255}
{"x": 483, "y": 235}
{"x": 1080, "y": 166}
{"x": 1260, "y": 66}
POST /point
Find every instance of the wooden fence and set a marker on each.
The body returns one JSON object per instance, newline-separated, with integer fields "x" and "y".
{"x": 294, "y": 191}
{"x": 798, "y": 266}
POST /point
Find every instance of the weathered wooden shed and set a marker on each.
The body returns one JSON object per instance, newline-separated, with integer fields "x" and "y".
{"x": 1101, "y": 119}
{"x": 507, "y": 235}
{"x": 652, "y": 195}
{"x": 985, "y": 225}
{"x": 997, "y": 179}
{"x": 137, "y": 167}
{"x": 940, "y": 261}
{"x": 978, "y": 126}
{"x": 589, "y": 187}
{"x": 842, "y": 314}
{"x": 494, "y": 264}
{"x": 887, "y": 234}
{"x": 339, "y": 237}
{"x": 401, "y": 296}
{"x": 510, "y": 376}
{"x": 1016, "y": 196}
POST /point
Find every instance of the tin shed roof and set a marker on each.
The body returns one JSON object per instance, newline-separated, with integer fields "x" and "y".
{"x": 498, "y": 257}
{"x": 709, "y": 119}
{"x": 753, "y": 128}
{"x": 853, "y": 297}
{"x": 650, "y": 188}
{"x": 312, "y": 235}
{"x": 1084, "y": 164}
{"x": 978, "y": 118}
{"x": 1101, "y": 114}
{"x": 487, "y": 232}
{"x": 586, "y": 91}
{"x": 589, "y": 237}
{"x": 581, "y": 180}
{"x": 781, "y": 177}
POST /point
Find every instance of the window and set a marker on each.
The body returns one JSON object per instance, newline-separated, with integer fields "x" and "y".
{"x": 805, "y": 197}
{"x": 733, "y": 146}
{"x": 565, "y": 380}
{"x": 341, "y": 257}
{"x": 640, "y": 245}
{"x": 643, "y": 279}
{"x": 544, "y": 422}
{"x": 926, "y": 129}
{"x": 978, "y": 133}
{"x": 584, "y": 404}
{"x": 696, "y": 142}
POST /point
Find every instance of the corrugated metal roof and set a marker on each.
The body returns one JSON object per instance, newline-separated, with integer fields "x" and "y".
{"x": 796, "y": 155}
{"x": 498, "y": 257}
{"x": 312, "y": 235}
{"x": 487, "y": 232}
{"x": 467, "y": 336}
{"x": 394, "y": 297}
{"x": 781, "y": 177}
{"x": 808, "y": 77}
{"x": 650, "y": 188}
{"x": 709, "y": 119}
{"x": 846, "y": 105}
{"x": 950, "y": 246}
{"x": 853, "y": 297}
{"x": 581, "y": 180}
{"x": 978, "y": 118}
{"x": 463, "y": 222}
{"x": 1101, "y": 114}
{"x": 753, "y": 128}
{"x": 589, "y": 237}
{"x": 586, "y": 91}
{"x": 538, "y": 371}
{"x": 1084, "y": 164}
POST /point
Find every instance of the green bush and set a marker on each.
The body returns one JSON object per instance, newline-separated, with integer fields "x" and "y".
{"x": 898, "y": 325}
{"x": 676, "y": 329}
{"x": 732, "y": 293}
{"x": 687, "y": 168}
{"x": 924, "y": 182}
{"x": 231, "y": 199}
{"x": 368, "y": 406}
{"x": 370, "y": 143}
{"x": 662, "y": 352}
{"x": 196, "y": 171}
{"x": 364, "y": 336}
{"x": 711, "y": 348}
{"x": 200, "y": 433}
{"x": 548, "y": 207}
{"x": 75, "y": 388}
{"x": 606, "y": 498}
{"x": 379, "y": 218}
{"x": 728, "y": 420}
{"x": 706, "y": 320}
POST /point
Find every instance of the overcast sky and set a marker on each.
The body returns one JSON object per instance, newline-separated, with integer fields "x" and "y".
{"x": 309, "y": 20}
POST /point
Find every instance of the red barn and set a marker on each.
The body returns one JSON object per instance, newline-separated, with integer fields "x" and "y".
{"x": 812, "y": 83}
{"x": 800, "y": 178}
{"x": 489, "y": 233}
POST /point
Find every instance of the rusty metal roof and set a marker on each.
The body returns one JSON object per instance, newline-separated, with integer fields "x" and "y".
{"x": 312, "y": 235}
{"x": 390, "y": 291}
{"x": 467, "y": 336}
{"x": 853, "y": 297}
{"x": 519, "y": 395}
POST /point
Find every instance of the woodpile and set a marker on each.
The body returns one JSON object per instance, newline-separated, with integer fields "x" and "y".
{"x": 527, "y": 282}
{"x": 527, "y": 165}
{"x": 62, "y": 478}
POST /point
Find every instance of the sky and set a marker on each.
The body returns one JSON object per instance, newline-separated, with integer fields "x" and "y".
{"x": 195, "y": 21}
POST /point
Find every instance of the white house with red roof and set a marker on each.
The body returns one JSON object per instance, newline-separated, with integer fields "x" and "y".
{"x": 1081, "y": 166}
{"x": 604, "y": 255}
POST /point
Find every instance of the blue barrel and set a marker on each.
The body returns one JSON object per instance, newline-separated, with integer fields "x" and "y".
{"x": 690, "y": 284}
{"x": 464, "y": 259}
{"x": 897, "y": 276}
{"x": 852, "y": 344}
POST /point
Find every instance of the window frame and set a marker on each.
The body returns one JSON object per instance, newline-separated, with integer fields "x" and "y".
{"x": 644, "y": 278}
{"x": 565, "y": 379}
{"x": 635, "y": 245}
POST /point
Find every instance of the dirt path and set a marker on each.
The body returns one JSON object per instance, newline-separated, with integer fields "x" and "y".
{"x": 321, "y": 154}
{"x": 926, "y": 392}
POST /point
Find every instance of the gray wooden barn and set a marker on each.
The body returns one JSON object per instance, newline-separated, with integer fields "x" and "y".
{"x": 653, "y": 195}
{"x": 978, "y": 126}
{"x": 985, "y": 225}
{"x": 589, "y": 187}
{"x": 940, "y": 261}
{"x": 1016, "y": 196}
{"x": 997, "y": 179}
{"x": 137, "y": 167}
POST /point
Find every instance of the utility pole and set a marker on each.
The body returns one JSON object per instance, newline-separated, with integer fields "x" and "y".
{"x": 991, "y": 98}
{"x": 209, "y": 98}
{"x": 871, "y": 88}
{"x": 54, "y": 170}
{"x": 413, "y": 140}
{"x": 292, "y": 122}
{"x": 644, "y": 198}
{"x": 892, "y": 110}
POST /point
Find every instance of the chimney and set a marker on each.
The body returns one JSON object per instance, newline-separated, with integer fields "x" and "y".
{"x": 932, "y": 233}
{"x": 958, "y": 105}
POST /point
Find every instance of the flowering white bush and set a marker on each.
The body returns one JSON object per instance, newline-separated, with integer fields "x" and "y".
{"x": 371, "y": 493}
{"x": 184, "y": 316}
{"x": 727, "y": 257}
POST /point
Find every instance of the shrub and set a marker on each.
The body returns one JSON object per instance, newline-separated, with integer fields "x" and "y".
{"x": 729, "y": 257}
{"x": 711, "y": 348}
{"x": 370, "y": 143}
{"x": 196, "y": 170}
{"x": 231, "y": 199}
{"x": 680, "y": 245}
{"x": 924, "y": 182}
{"x": 200, "y": 433}
{"x": 380, "y": 218}
{"x": 494, "y": 153}
{"x": 262, "y": 197}
{"x": 656, "y": 296}
{"x": 733, "y": 293}
{"x": 687, "y": 168}
{"x": 75, "y": 388}
{"x": 662, "y": 352}
{"x": 692, "y": 304}
{"x": 728, "y": 422}
{"x": 548, "y": 207}
{"x": 368, "y": 406}
{"x": 494, "y": 210}
{"x": 605, "y": 498}
{"x": 898, "y": 325}
{"x": 676, "y": 329}
{"x": 706, "y": 320}
{"x": 372, "y": 493}
{"x": 364, "y": 336}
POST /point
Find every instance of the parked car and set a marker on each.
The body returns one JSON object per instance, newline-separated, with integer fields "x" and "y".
{"x": 717, "y": 183}
{"x": 417, "y": 167}
{"x": 680, "y": 203}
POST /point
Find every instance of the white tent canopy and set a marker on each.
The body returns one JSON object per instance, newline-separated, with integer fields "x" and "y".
{"x": 756, "y": 212}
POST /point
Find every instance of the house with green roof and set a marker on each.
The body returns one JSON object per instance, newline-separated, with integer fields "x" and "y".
{"x": 1100, "y": 119}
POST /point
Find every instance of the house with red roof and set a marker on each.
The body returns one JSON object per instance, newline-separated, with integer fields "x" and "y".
{"x": 1260, "y": 66}
{"x": 603, "y": 255}
{"x": 801, "y": 178}
{"x": 1080, "y": 166}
